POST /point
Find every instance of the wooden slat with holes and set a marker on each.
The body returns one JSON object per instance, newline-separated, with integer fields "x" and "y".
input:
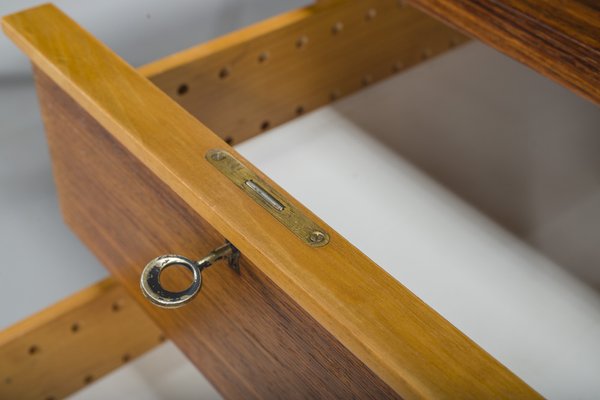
{"x": 560, "y": 39}
{"x": 133, "y": 183}
{"x": 259, "y": 77}
{"x": 64, "y": 347}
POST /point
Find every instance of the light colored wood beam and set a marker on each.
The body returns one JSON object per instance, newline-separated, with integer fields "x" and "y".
{"x": 63, "y": 348}
{"x": 248, "y": 81}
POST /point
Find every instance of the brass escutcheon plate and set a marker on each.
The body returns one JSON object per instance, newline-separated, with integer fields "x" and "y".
{"x": 260, "y": 191}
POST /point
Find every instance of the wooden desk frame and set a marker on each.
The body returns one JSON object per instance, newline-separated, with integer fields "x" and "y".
{"x": 127, "y": 149}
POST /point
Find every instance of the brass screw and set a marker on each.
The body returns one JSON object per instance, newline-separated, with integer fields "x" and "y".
{"x": 217, "y": 156}
{"x": 316, "y": 237}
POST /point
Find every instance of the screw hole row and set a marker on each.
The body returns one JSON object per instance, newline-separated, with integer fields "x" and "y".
{"x": 300, "y": 43}
{"x": 75, "y": 327}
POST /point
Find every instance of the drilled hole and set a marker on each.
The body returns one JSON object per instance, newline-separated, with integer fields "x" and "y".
{"x": 301, "y": 42}
{"x": 116, "y": 307}
{"x": 397, "y": 66}
{"x": 263, "y": 57}
{"x": 88, "y": 379}
{"x": 371, "y": 13}
{"x": 337, "y": 28}
{"x": 334, "y": 95}
{"x": 34, "y": 350}
{"x": 182, "y": 89}
{"x": 224, "y": 73}
{"x": 161, "y": 338}
{"x": 8, "y": 380}
{"x": 265, "y": 125}
{"x": 367, "y": 79}
{"x": 299, "y": 110}
{"x": 453, "y": 42}
{"x": 75, "y": 327}
{"x": 228, "y": 140}
{"x": 126, "y": 357}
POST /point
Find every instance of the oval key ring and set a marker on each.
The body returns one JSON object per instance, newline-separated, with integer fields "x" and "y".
{"x": 150, "y": 279}
{"x": 153, "y": 290}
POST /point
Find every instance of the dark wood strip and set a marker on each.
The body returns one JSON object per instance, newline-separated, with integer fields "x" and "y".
{"x": 560, "y": 39}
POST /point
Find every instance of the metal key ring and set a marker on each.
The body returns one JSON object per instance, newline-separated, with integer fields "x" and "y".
{"x": 153, "y": 290}
{"x": 150, "y": 279}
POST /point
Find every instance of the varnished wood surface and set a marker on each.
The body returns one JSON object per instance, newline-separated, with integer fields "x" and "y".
{"x": 59, "y": 350}
{"x": 244, "y": 83}
{"x": 243, "y": 332}
{"x": 560, "y": 39}
{"x": 374, "y": 318}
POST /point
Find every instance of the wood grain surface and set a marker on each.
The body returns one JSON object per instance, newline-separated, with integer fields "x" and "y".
{"x": 63, "y": 348}
{"x": 560, "y": 39}
{"x": 159, "y": 195}
{"x": 244, "y": 83}
{"x": 243, "y": 332}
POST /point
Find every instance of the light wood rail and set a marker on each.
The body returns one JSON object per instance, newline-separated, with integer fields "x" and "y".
{"x": 246, "y": 82}
{"x": 61, "y": 349}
